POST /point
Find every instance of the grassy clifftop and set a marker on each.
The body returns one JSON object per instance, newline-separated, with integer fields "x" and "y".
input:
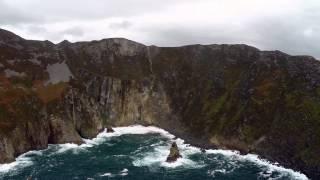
{"x": 226, "y": 96}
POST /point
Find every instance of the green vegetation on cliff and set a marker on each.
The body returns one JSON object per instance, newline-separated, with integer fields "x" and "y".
{"x": 226, "y": 96}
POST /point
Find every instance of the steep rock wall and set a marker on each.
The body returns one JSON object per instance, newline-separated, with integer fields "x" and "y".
{"x": 226, "y": 96}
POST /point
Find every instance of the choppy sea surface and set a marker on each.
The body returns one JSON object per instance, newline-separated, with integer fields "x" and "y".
{"x": 138, "y": 153}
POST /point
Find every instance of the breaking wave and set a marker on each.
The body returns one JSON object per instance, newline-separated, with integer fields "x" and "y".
{"x": 154, "y": 155}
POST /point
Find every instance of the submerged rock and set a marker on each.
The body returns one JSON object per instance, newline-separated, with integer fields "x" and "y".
{"x": 174, "y": 153}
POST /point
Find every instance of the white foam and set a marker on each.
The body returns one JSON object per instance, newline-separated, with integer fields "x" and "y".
{"x": 20, "y": 162}
{"x": 270, "y": 167}
{"x": 9, "y": 166}
{"x": 214, "y": 172}
{"x": 274, "y": 167}
{"x": 104, "y": 136}
{"x": 159, "y": 154}
{"x": 136, "y": 129}
{"x": 186, "y": 149}
{"x": 223, "y": 152}
{"x": 119, "y": 155}
{"x": 124, "y": 172}
{"x": 107, "y": 174}
{"x": 66, "y": 147}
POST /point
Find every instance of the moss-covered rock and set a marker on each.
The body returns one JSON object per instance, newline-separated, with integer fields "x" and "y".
{"x": 226, "y": 96}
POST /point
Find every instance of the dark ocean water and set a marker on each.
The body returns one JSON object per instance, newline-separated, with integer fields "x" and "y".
{"x": 138, "y": 153}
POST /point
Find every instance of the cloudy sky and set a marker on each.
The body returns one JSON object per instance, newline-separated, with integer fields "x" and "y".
{"x": 292, "y": 26}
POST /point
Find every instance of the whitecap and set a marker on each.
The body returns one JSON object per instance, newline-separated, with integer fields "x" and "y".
{"x": 269, "y": 166}
{"x": 215, "y": 171}
{"x": 107, "y": 174}
{"x": 186, "y": 149}
{"x": 159, "y": 153}
{"x": 274, "y": 167}
{"x": 119, "y": 155}
{"x": 65, "y": 147}
{"x": 124, "y": 172}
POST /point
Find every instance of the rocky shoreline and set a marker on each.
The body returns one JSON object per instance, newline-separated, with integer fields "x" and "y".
{"x": 213, "y": 96}
{"x": 174, "y": 154}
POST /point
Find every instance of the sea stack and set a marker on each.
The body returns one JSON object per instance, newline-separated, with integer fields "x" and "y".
{"x": 265, "y": 102}
{"x": 174, "y": 153}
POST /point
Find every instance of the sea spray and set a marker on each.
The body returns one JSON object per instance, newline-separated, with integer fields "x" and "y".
{"x": 128, "y": 151}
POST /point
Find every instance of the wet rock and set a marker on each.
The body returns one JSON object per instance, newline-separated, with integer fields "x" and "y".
{"x": 62, "y": 132}
{"x": 174, "y": 153}
{"x": 109, "y": 129}
{"x": 185, "y": 90}
{"x": 101, "y": 130}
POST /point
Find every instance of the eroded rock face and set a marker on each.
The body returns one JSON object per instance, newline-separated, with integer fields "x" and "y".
{"x": 174, "y": 153}
{"x": 226, "y": 96}
{"x": 62, "y": 132}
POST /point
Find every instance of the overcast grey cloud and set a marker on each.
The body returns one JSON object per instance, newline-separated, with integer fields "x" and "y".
{"x": 292, "y": 26}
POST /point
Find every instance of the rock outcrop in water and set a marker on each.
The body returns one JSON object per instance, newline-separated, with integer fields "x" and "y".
{"x": 225, "y": 96}
{"x": 109, "y": 129}
{"x": 174, "y": 153}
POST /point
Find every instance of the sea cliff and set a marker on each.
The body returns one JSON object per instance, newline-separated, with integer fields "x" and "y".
{"x": 221, "y": 96}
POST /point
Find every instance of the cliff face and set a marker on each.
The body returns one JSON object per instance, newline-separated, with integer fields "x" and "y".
{"x": 226, "y": 96}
